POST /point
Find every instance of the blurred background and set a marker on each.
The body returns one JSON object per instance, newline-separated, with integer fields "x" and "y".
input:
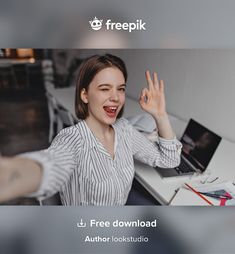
{"x": 169, "y": 24}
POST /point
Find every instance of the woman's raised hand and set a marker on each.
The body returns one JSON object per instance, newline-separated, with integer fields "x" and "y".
{"x": 152, "y": 98}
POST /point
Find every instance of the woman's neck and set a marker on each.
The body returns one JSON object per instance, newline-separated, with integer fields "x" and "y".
{"x": 104, "y": 133}
{"x": 98, "y": 128}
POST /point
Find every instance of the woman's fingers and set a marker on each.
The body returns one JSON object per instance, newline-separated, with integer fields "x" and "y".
{"x": 155, "y": 80}
{"x": 149, "y": 80}
{"x": 152, "y": 98}
{"x": 144, "y": 93}
{"x": 152, "y": 84}
{"x": 155, "y": 87}
{"x": 144, "y": 96}
{"x": 161, "y": 86}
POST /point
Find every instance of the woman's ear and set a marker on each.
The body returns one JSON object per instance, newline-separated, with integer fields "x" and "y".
{"x": 84, "y": 96}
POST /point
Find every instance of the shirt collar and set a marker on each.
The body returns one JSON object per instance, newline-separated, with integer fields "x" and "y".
{"x": 87, "y": 134}
{"x": 92, "y": 141}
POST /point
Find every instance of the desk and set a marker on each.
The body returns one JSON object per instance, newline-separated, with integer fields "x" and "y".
{"x": 164, "y": 190}
{"x": 222, "y": 165}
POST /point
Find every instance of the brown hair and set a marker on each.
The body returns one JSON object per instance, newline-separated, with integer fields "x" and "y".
{"x": 87, "y": 71}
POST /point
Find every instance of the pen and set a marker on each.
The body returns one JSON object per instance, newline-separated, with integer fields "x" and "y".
{"x": 199, "y": 194}
{"x": 213, "y": 180}
{"x": 215, "y": 195}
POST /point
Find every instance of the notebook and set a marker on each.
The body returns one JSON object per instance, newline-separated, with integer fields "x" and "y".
{"x": 199, "y": 146}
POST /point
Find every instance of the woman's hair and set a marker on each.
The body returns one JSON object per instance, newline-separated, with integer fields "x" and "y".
{"x": 87, "y": 71}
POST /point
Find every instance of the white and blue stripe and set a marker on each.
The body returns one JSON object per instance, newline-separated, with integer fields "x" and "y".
{"x": 78, "y": 166}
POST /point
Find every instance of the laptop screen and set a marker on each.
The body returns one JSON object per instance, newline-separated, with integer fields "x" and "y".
{"x": 199, "y": 144}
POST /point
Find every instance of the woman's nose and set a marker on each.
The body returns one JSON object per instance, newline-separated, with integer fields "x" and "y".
{"x": 114, "y": 95}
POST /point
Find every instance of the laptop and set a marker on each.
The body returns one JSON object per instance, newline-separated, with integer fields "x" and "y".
{"x": 199, "y": 146}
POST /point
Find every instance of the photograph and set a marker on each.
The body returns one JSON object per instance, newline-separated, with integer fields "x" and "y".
{"x": 108, "y": 127}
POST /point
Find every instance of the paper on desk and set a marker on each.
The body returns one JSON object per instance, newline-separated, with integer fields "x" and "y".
{"x": 228, "y": 187}
{"x": 185, "y": 197}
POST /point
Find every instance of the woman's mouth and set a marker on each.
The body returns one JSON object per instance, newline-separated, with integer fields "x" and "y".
{"x": 110, "y": 110}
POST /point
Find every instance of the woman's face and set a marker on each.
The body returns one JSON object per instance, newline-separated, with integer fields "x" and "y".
{"x": 105, "y": 96}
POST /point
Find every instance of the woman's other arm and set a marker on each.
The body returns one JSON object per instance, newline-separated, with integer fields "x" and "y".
{"x": 152, "y": 100}
{"x": 167, "y": 152}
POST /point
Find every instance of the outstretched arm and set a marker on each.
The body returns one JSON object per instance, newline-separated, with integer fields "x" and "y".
{"x": 18, "y": 177}
{"x": 41, "y": 173}
{"x": 152, "y": 100}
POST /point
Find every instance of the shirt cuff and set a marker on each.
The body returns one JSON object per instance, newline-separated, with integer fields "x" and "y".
{"x": 174, "y": 143}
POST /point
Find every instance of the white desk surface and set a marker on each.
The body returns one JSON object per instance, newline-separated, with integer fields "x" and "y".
{"x": 221, "y": 165}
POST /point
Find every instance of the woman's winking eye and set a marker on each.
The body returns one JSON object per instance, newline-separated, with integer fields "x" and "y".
{"x": 105, "y": 88}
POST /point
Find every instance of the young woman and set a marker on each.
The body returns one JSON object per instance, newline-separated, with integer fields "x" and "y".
{"x": 92, "y": 163}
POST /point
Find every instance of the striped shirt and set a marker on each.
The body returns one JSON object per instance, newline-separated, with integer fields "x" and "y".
{"x": 79, "y": 167}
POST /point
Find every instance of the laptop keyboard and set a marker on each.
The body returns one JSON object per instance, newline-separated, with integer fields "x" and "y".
{"x": 183, "y": 168}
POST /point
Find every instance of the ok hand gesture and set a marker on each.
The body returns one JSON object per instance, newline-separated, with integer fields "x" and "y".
{"x": 152, "y": 99}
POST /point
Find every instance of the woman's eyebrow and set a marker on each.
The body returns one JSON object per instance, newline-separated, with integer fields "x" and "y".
{"x": 100, "y": 85}
{"x": 109, "y": 85}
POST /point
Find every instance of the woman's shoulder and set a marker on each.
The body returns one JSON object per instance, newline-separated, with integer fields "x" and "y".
{"x": 71, "y": 130}
{"x": 122, "y": 124}
{"x": 70, "y": 136}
